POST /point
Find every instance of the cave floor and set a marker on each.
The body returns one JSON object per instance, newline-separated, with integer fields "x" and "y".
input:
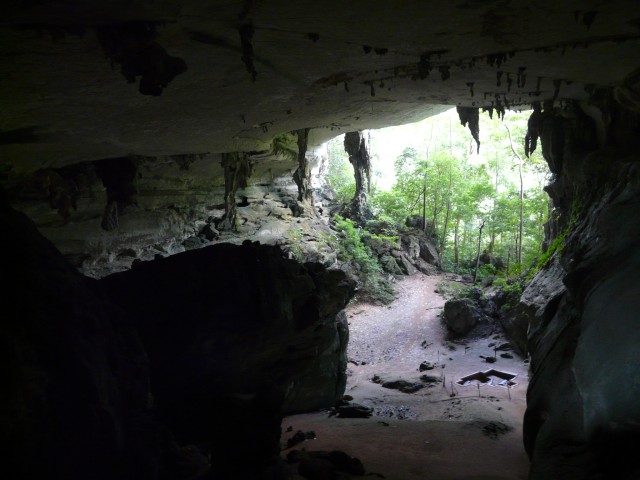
{"x": 429, "y": 434}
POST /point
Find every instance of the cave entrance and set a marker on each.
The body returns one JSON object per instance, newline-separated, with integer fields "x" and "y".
{"x": 420, "y": 399}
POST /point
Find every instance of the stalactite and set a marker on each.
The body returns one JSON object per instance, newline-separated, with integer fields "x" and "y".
{"x": 470, "y": 85}
{"x": 424, "y": 66}
{"x": 246, "y": 36}
{"x": 302, "y": 175}
{"x": 133, "y": 46}
{"x": 557, "y": 84}
{"x": 522, "y": 78}
{"x": 533, "y": 129}
{"x": 237, "y": 169}
{"x": 356, "y": 147}
{"x": 118, "y": 175}
{"x": 471, "y": 116}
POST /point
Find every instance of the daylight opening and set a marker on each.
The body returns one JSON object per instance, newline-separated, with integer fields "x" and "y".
{"x": 442, "y": 236}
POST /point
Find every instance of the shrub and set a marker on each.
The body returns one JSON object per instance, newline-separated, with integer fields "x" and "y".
{"x": 351, "y": 249}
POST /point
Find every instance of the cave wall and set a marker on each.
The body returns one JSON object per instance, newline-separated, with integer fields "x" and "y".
{"x": 582, "y": 418}
{"x": 162, "y": 371}
{"x": 76, "y": 401}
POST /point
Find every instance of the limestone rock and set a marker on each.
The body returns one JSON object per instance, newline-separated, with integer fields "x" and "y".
{"x": 428, "y": 251}
{"x": 461, "y": 315}
{"x": 390, "y": 265}
{"x": 411, "y": 246}
{"x": 404, "y": 262}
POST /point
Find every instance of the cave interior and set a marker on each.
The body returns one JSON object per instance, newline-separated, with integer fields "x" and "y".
{"x": 125, "y": 126}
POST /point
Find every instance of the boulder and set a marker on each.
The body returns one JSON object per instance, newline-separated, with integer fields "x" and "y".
{"x": 404, "y": 262}
{"x": 428, "y": 251}
{"x": 461, "y": 315}
{"x": 230, "y": 353}
{"x": 488, "y": 259}
{"x": 192, "y": 242}
{"x": 390, "y": 265}
{"x": 411, "y": 246}
{"x": 209, "y": 232}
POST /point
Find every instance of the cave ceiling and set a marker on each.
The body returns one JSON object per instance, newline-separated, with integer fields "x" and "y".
{"x": 84, "y": 80}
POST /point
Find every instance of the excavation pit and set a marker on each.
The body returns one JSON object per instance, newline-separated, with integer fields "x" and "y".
{"x": 494, "y": 378}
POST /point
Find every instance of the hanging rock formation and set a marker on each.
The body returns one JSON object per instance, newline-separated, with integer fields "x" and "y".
{"x": 356, "y": 147}
{"x": 237, "y": 168}
{"x": 302, "y": 175}
{"x": 471, "y": 116}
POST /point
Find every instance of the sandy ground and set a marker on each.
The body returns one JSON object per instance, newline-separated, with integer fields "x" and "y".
{"x": 443, "y": 431}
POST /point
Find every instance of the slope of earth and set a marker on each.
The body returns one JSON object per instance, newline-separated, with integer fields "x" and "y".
{"x": 442, "y": 430}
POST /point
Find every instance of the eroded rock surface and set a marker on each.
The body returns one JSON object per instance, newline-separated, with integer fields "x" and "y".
{"x": 582, "y": 414}
{"x": 121, "y": 378}
{"x": 461, "y": 315}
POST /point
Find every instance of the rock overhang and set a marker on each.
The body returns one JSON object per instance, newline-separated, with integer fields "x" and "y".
{"x": 325, "y": 65}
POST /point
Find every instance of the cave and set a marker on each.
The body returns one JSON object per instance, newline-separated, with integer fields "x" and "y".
{"x": 153, "y": 325}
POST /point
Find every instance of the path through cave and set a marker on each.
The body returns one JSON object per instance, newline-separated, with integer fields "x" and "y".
{"x": 427, "y": 434}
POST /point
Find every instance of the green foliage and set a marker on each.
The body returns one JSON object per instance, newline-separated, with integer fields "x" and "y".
{"x": 383, "y": 227}
{"x": 375, "y": 284}
{"x": 461, "y": 190}
{"x": 294, "y": 240}
{"x": 512, "y": 291}
{"x": 449, "y": 290}
{"x": 390, "y": 205}
{"x": 558, "y": 243}
{"x": 285, "y": 145}
{"x": 487, "y": 270}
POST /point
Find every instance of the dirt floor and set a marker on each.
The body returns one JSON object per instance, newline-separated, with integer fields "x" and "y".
{"x": 442, "y": 431}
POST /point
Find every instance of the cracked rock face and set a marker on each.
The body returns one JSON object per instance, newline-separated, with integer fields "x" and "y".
{"x": 122, "y": 378}
{"x": 582, "y": 414}
{"x": 233, "y": 74}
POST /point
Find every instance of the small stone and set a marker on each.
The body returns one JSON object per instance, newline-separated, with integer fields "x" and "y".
{"x": 354, "y": 410}
{"x": 506, "y": 355}
{"x": 426, "y": 366}
{"x": 209, "y": 233}
{"x": 429, "y": 379}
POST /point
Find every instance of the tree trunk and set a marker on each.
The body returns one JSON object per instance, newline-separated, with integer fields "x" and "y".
{"x": 475, "y": 275}
{"x": 302, "y": 175}
{"x": 521, "y": 196}
{"x": 456, "y": 247}
{"x": 444, "y": 232}
{"x": 446, "y": 217}
{"x": 521, "y": 211}
{"x": 424, "y": 205}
